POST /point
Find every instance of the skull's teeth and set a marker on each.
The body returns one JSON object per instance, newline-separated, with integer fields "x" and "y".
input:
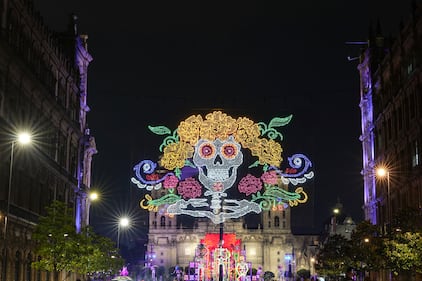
{"x": 218, "y": 174}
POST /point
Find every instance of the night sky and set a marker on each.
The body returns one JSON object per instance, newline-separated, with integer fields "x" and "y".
{"x": 158, "y": 62}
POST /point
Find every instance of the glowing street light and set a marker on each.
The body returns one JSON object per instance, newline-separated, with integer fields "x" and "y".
{"x": 22, "y": 138}
{"x": 382, "y": 172}
{"x": 93, "y": 196}
{"x": 123, "y": 222}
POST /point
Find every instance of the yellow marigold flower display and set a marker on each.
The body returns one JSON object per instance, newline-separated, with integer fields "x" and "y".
{"x": 175, "y": 155}
{"x": 247, "y": 132}
{"x": 217, "y": 125}
{"x": 189, "y": 129}
{"x": 269, "y": 152}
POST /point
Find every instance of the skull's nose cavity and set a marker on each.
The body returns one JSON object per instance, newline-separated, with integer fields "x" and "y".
{"x": 218, "y": 160}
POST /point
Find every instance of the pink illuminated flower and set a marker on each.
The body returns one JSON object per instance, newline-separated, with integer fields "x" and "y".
{"x": 170, "y": 181}
{"x": 249, "y": 184}
{"x": 189, "y": 188}
{"x": 270, "y": 177}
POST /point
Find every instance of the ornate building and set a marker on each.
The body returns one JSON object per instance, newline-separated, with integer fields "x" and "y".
{"x": 271, "y": 246}
{"x": 391, "y": 110}
{"x": 43, "y": 90}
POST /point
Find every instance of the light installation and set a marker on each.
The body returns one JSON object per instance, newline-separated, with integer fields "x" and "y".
{"x": 200, "y": 162}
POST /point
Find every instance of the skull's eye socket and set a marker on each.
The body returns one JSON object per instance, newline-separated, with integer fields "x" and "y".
{"x": 207, "y": 150}
{"x": 229, "y": 151}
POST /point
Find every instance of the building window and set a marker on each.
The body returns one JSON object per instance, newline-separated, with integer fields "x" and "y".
{"x": 415, "y": 154}
{"x": 163, "y": 221}
{"x": 283, "y": 214}
{"x": 276, "y": 221}
{"x": 269, "y": 224}
{"x": 412, "y": 105}
{"x": 409, "y": 68}
{"x": 28, "y": 268}
{"x": 17, "y": 265}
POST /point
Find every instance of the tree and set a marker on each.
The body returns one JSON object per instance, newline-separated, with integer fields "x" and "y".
{"x": 334, "y": 256}
{"x": 367, "y": 247}
{"x": 62, "y": 249}
{"x": 404, "y": 253}
{"x": 403, "y": 246}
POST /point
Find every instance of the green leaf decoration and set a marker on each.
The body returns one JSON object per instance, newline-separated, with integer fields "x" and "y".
{"x": 280, "y": 121}
{"x": 178, "y": 172}
{"x": 160, "y": 130}
{"x": 255, "y": 164}
{"x": 189, "y": 163}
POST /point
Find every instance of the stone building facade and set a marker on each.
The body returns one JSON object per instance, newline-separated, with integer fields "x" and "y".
{"x": 43, "y": 90}
{"x": 271, "y": 246}
{"x": 391, "y": 110}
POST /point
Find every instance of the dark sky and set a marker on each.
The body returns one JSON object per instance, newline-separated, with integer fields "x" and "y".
{"x": 158, "y": 62}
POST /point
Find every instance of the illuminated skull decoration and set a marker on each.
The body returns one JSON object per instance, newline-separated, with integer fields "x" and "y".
{"x": 211, "y": 149}
{"x": 217, "y": 162}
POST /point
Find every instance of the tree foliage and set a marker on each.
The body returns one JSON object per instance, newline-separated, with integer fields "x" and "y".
{"x": 404, "y": 252}
{"x": 399, "y": 250}
{"x": 367, "y": 247}
{"x": 403, "y": 248}
{"x": 334, "y": 256}
{"x": 60, "y": 248}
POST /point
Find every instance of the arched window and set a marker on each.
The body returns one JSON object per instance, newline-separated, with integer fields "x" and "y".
{"x": 163, "y": 221}
{"x": 28, "y": 268}
{"x": 169, "y": 223}
{"x": 269, "y": 224}
{"x": 17, "y": 265}
{"x": 4, "y": 265}
{"x": 284, "y": 214}
{"x": 276, "y": 221}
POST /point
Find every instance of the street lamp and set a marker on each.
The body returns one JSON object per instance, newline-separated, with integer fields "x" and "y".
{"x": 93, "y": 196}
{"x": 385, "y": 173}
{"x": 22, "y": 138}
{"x": 123, "y": 222}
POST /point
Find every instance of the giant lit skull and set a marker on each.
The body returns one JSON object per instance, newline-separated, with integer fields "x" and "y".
{"x": 217, "y": 162}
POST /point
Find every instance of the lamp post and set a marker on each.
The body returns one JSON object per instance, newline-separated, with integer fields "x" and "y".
{"x": 385, "y": 173}
{"x": 123, "y": 222}
{"x": 93, "y": 196}
{"x": 22, "y": 138}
